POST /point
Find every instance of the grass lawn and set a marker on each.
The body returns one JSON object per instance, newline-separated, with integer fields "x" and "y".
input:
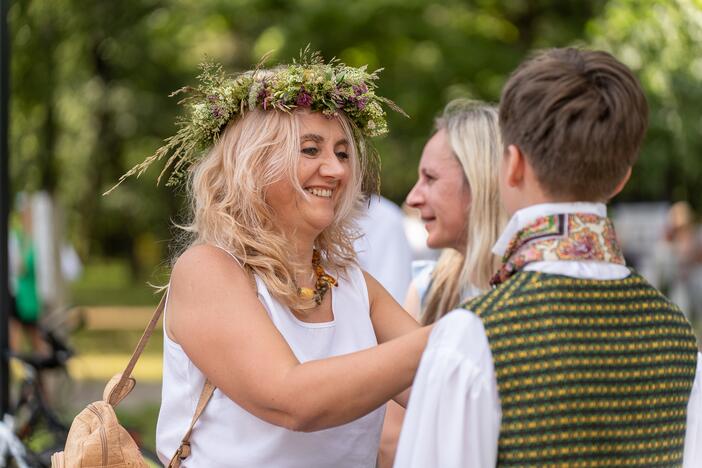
{"x": 110, "y": 282}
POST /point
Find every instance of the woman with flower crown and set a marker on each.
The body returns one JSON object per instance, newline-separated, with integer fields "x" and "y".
{"x": 267, "y": 301}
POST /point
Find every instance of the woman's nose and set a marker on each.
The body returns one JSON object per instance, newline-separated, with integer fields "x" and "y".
{"x": 415, "y": 198}
{"x": 332, "y": 167}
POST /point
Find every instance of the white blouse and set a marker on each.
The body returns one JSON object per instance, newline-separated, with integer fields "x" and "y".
{"x": 453, "y": 417}
{"x": 226, "y": 435}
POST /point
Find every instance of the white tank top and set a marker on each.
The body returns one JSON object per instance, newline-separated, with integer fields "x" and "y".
{"x": 226, "y": 435}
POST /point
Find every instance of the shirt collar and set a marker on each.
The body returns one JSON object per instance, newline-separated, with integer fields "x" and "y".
{"x": 525, "y": 216}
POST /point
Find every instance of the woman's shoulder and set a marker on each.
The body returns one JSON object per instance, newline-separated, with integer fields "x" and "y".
{"x": 205, "y": 262}
{"x": 204, "y": 277}
{"x": 205, "y": 252}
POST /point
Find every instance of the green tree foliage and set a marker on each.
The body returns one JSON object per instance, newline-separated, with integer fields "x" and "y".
{"x": 431, "y": 52}
{"x": 84, "y": 108}
{"x": 90, "y": 81}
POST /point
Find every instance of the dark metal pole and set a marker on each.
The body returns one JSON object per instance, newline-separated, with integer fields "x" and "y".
{"x": 4, "y": 208}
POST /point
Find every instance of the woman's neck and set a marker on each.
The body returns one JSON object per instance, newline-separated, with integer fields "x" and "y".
{"x": 301, "y": 254}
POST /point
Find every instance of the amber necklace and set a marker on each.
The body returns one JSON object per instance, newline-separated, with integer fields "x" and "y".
{"x": 323, "y": 283}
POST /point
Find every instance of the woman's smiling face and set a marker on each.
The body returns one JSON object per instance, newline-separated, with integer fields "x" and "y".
{"x": 442, "y": 195}
{"x": 323, "y": 171}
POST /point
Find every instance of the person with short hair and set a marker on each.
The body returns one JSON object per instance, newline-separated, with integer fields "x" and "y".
{"x": 572, "y": 359}
{"x": 267, "y": 300}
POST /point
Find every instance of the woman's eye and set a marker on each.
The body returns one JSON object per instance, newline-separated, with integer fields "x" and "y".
{"x": 342, "y": 155}
{"x": 310, "y": 151}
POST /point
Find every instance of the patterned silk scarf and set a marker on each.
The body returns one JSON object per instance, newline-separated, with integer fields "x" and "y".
{"x": 570, "y": 237}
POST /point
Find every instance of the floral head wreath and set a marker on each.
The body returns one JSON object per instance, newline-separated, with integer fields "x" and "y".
{"x": 306, "y": 83}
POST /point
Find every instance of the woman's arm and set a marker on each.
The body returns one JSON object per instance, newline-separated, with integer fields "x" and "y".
{"x": 412, "y": 302}
{"x": 214, "y": 314}
{"x": 389, "y": 319}
{"x": 394, "y": 416}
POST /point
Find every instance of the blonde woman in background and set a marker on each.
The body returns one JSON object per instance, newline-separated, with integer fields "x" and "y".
{"x": 458, "y": 200}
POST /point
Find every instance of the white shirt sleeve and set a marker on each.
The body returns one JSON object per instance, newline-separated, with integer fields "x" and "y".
{"x": 453, "y": 417}
{"x": 692, "y": 457}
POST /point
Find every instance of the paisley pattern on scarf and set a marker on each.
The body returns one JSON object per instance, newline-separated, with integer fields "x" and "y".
{"x": 565, "y": 237}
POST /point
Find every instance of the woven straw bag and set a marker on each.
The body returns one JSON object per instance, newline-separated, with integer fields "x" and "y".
{"x": 96, "y": 438}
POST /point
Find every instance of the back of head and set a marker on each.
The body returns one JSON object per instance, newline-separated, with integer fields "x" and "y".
{"x": 579, "y": 118}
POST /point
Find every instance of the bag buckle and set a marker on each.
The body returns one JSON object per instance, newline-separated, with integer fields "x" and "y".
{"x": 184, "y": 450}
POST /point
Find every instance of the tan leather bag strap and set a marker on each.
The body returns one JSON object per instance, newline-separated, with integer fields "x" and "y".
{"x": 124, "y": 381}
{"x": 184, "y": 450}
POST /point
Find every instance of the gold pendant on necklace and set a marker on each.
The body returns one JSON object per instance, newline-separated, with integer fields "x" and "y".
{"x": 323, "y": 283}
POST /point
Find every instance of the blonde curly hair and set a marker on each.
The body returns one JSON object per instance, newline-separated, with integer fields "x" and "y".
{"x": 227, "y": 192}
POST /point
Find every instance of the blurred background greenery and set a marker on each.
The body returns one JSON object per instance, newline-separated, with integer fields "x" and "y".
{"x": 89, "y": 99}
{"x": 90, "y": 85}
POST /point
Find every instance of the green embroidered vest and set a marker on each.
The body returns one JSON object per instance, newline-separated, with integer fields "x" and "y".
{"x": 589, "y": 372}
